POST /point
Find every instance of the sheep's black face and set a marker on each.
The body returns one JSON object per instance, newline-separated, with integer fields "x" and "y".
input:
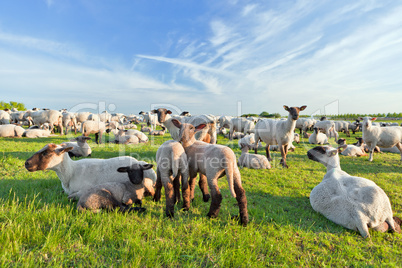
{"x": 316, "y": 153}
{"x": 135, "y": 172}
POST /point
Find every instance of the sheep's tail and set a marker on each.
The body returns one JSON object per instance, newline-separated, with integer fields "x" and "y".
{"x": 232, "y": 173}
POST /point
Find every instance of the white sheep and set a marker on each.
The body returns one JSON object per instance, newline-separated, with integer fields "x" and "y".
{"x": 158, "y": 132}
{"x": 279, "y": 132}
{"x": 353, "y": 202}
{"x": 37, "y": 133}
{"x": 240, "y": 125}
{"x": 5, "y": 117}
{"x": 121, "y": 195}
{"x": 77, "y": 176}
{"x": 172, "y": 168}
{"x": 224, "y": 121}
{"x": 11, "y": 131}
{"x": 213, "y": 161}
{"x": 342, "y": 126}
{"x": 69, "y": 120}
{"x": 145, "y": 129}
{"x": 93, "y": 127}
{"x": 350, "y": 150}
{"x": 328, "y": 127}
{"x": 150, "y": 118}
{"x": 81, "y": 117}
{"x": 53, "y": 117}
{"x": 122, "y": 137}
{"x": 317, "y": 137}
{"x": 385, "y": 137}
{"x": 253, "y": 161}
{"x": 80, "y": 147}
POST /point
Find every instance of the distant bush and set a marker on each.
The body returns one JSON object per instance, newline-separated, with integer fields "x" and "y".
{"x": 12, "y": 104}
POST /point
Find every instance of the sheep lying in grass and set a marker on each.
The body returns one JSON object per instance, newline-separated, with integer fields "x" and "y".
{"x": 145, "y": 129}
{"x": 11, "y": 131}
{"x": 350, "y": 150}
{"x": 37, "y": 133}
{"x": 213, "y": 161}
{"x": 317, "y": 137}
{"x": 385, "y": 137}
{"x": 172, "y": 167}
{"x": 365, "y": 147}
{"x": 253, "y": 161}
{"x": 121, "y": 137}
{"x": 80, "y": 147}
{"x": 355, "y": 203}
{"x": 121, "y": 195}
{"x": 158, "y": 132}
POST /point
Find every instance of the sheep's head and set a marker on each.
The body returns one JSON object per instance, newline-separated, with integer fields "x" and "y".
{"x": 135, "y": 172}
{"x": 296, "y": 138}
{"x": 162, "y": 112}
{"x": 81, "y": 140}
{"x": 325, "y": 155}
{"x": 294, "y": 111}
{"x": 187, "y": 131}
{"x": 46, "y": 158}
{"x": 341, "y": 141}
{"x": 367, "y": 121}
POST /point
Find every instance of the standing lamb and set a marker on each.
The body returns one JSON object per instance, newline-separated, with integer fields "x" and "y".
{"x": 385, "y": 137}
{"x": 172, "y": 166}
{"x": 355, "y": 203}
{"x": 279, "y": 132}
{"x": 121, "y": 195}
{"x": 213, "y": 161}
{"x": 254, "y": 161}
{"x": 77, "y": 176}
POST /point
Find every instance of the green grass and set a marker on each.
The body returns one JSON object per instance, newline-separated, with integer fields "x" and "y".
{"x": 39, "y": 226}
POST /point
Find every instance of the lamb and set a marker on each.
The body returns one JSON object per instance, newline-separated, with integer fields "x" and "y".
{"x": 317, "y": 137}
{"x": 77, "y": 176}
{"x": 80, "y": 147}
{"x": 121, "y": 195}
{"x": 279, "y": 132}
{"x": 145, "y": 129}
{"x": 248, "y": 140}
{"x": 385, "y": 137}
{"x": 93, "y": 127}
{"x": 213, "y": 161}
{"x": 11, "y": 131}
{"x": 158, "y": 132}
{"x": 37, "y": 133}
{"x": 350, "y": 150}
{"x": 353, "y": 202}
{"x": 172, "y": 166}
{"x": 254, "y": 161}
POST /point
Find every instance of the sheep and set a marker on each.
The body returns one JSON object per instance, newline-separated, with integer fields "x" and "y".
{"x": 158, "y": 132}
{"x": 317, "y": 137}
{"x": 235, "y": 135}
{"x": 224, "y": 121}
{"x": 93, "y": 127}
{"x": 360, "y": 142}
{"x": 328, "y": 127}
{"x": 37, "y": 133}
{"x": 172, "y": 166}
{"x": 350, "y": 150}
{"x": 17, "y": 117}
{"x": 11, "y": 131}
{"x": 121, "y": 195}
{"x": 240, "y": 125}
{"x": 248, "y": 140}
{"x": 123, "y": 138}
{"x": 342, "y": 126}
{"x": 355, "y": 126}
{"x": 223, "y": 131}
{"x": 5, "y": 117}
{"x": 306, "y": 135}
{"x": 145, "y": 129}
{"x": 77, "y": 176}
{"x": 150, "y": 118}
{"x": 353, "y": 202}
{"x": 80, "y": 147}
{"x": 69, "y": 120}
{"x": 254, "y": 161}
{"x": 279, "y": 132}
{"x": 53, "y": 117}
{"x": 81, "y": 117}
{"x": 385, "y": 137}
{"x": 213, "y": 161}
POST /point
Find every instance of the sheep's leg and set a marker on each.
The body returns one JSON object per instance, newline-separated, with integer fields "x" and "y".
{"x": 362, "y": 228}
{"x": 176, "y": 184}
{"x": 100, "y": 137}
{"x": 192, "y": 181}
{"x": 241, "y": 200}
{"x": 204, "y": 187}
{"x": 185, "y": 191}
{"x": 284, "y": 151}
{"x": 158, "y": 186}
{"x": 96, "y": 138}
{"x": 170, "y": 198}
{"x": 216, "y": 198}
{"x": 399, "y": 146}
{"x": 371, "y": 150}
{"x": 268, "y": 153}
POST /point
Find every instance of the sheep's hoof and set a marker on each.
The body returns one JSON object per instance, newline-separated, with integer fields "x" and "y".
{"x": 206, "y": 197}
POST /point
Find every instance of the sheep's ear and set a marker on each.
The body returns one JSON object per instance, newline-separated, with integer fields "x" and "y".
{"x": 176, "y": 123}
{"x": 286, "y": 107}
{"x": 123, "y": 169}
{"x": 154, "y": 111}
{"x": 169, "y": 112}
{"x": 200, "y": 127}
{"x": 63, "y": 150}
{"x": 140, "y": 112}
{"x": 146, "y": 166}
{"x": 303, "y": 107}
{"x": 332, "y": 152}
{"x": 360, "y": 118}
{"x": 373, "y": 118}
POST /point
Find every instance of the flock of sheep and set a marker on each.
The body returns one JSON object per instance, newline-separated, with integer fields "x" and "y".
{"x": 353, "y": 202}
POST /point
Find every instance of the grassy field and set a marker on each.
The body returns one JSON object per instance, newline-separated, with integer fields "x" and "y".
{"x": 39, "y": 226}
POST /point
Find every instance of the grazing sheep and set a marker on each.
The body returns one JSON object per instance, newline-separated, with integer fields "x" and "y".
{"x": 385, "y": 137}
{"x": 121, "y": 195}
{"x": 224, "y": 121}
{"x": 240, "y": 125}
{"x": 80, "y": 147}
{"x": 350, "y": 150}
{"x": 158, "y": 132}
{"x": 53, "y": 117}
{"x": 306, "y": 135}
{"x": 279, "y": 132}
{"x": 17, "y": 117}
{"x": 317, "y": 137}
{"x": 172, "y": 166}
{"x": 11, "y": 131}
{"x": 213, "y": 161}
{"x": 37, "y": 133}
{"x": 342, "y": 126}
{"x": 93, "y": 127}
{"x": 254, "y": 161}
{"x": 77, "y": 176}
{"x": 248, "y": 140}
{"x": 355, "y": 203}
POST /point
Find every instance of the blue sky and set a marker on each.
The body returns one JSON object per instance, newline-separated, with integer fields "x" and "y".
{"x": 219, "y": 57}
